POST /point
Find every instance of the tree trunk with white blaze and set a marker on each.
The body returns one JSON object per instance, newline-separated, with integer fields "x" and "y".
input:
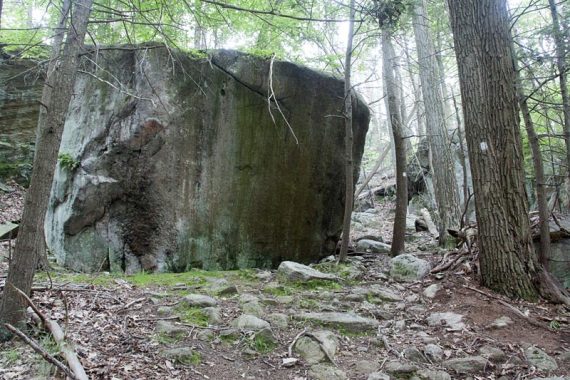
{"x": 509, "y": 265}
{"x": 50, "y": 129}
{"x": 445, "y": 186}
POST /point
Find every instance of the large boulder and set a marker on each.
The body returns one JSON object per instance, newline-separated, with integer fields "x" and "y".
{"x": 180, "y": 163}
{"x": 21, "y": 85}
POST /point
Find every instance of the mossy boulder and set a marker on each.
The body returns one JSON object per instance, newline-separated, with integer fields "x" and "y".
{"x": 200, "y": 169}
{"x": 21, "y": 89}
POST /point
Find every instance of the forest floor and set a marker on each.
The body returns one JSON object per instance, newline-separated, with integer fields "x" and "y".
{"x": 155, "y": 327}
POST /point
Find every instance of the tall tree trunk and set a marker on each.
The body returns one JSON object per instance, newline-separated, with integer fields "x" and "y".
{"x": 487, "y": 78}
{"x": 463, "y": 153}
{"x": 30, "y": 237}
{"x": 445, "y": 186}
{"x": 509, "y": 265}
{"x": 393, "y": 109}
{"x": 402, "y": 103}
{"x": 542, "y": 201}
{"x": 561, "y": 65}
{"x": 420, "y": 128}
{"x": 348, "y": 140}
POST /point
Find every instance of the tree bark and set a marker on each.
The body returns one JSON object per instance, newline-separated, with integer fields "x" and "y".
{"x": 393, "y": 109}
{"x": 487, "y": 79}
{"x": 30, "y": 236}
{"x": 561, "y": 66}
{"x": 445, "y": 186}
{"x": 348, "y": 140}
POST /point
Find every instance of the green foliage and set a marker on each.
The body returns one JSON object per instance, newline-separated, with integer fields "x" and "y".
{"x": 10, "y": 356}
{"x": 555, "y": 325}
{"x": 66, "y": 161}
{"x": 262, "y": 53}
{"x": 194, "y": 316}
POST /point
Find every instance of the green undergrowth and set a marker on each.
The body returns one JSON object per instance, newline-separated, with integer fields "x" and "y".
{"x": 194, "y": 316}
{"x": 262, "y": 344}
{"x": 166, "y": 339}
{"x": 193, "y": 277}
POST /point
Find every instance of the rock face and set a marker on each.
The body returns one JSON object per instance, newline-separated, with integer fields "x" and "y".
{"x": 21, "y": 85}
{"x": 193, "y": 172}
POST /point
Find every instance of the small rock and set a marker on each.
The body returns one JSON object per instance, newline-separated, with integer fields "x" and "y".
{"x": 171, "y": 330}
{"x": 540, "y": 359}
{"x": 263, "y": 275}
{"x": 289, "y": 362}
{"x": 214, "y": 315}
{"x": 326, "y": 372}
{"x": 366, "y": 245}
{"x": 354, "y": 297}
{"x": 408, "y": 268}
{"x": 433, "y": 352}
{"x": 400, "y": 370}
{"x": 414, "y": 355}
{"x": 229, "y": 335}
{"x": 377, "y": 342}
{"x": 250, "y": 322}
{"x": 228, "y": 290}
{"x": 200, "y": 300}
{"x": 284, "y": 300}
{"x": 467, "y": 365}
{"x": 400, "y": 325}
{"x": 425, "y": 338}
{"x": 385, "y": 294}
{"x": 348, "y": 321}
{"x": 501, "y": 322}
{"x": 266, "y": 336}
{"x": 278, "y": 320}
{"x": 314, "y": 349}
{"x": 452, "y": 320}
{"x": 164, "y": 311}
{"x": 365, "y": 367}
{"x": 564, "y": 357}
{"x": 295, "y": 272}
{"x": 378, "y": 376}
{"x": 492, "y": 353}
{"x": 431, "y": 291}
{"x": 248, "y": 297}
{"x": 425, "y": 374}
{"x": 205, "y": 335}
{"x": 253, "y": 308}
{"x": 182, "y": 355}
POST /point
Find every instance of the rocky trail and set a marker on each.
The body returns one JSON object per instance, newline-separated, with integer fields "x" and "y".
{"x": 372, "y": 318}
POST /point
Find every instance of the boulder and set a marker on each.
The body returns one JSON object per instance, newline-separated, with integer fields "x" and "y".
{"x": 317, "y": 346}
{"x": 366, "y": 245}
{"x": 326, "y": 372}
{"x": 540, "y": 359}
{"x": 194, "y": 172}
{"x": 200, "y": 300}
{"x": 452, "y": 320}
{"x": 22, "y": 83}
{"x": 250, "y": 323}
{"x": 408, "y": 268}
{"x": 347, "y": 321}
{"x": 467, "y": 365}
{"x": 295, "y": 272}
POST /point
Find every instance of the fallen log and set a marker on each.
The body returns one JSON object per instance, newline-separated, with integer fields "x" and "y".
{"x": 65, "y": 347}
